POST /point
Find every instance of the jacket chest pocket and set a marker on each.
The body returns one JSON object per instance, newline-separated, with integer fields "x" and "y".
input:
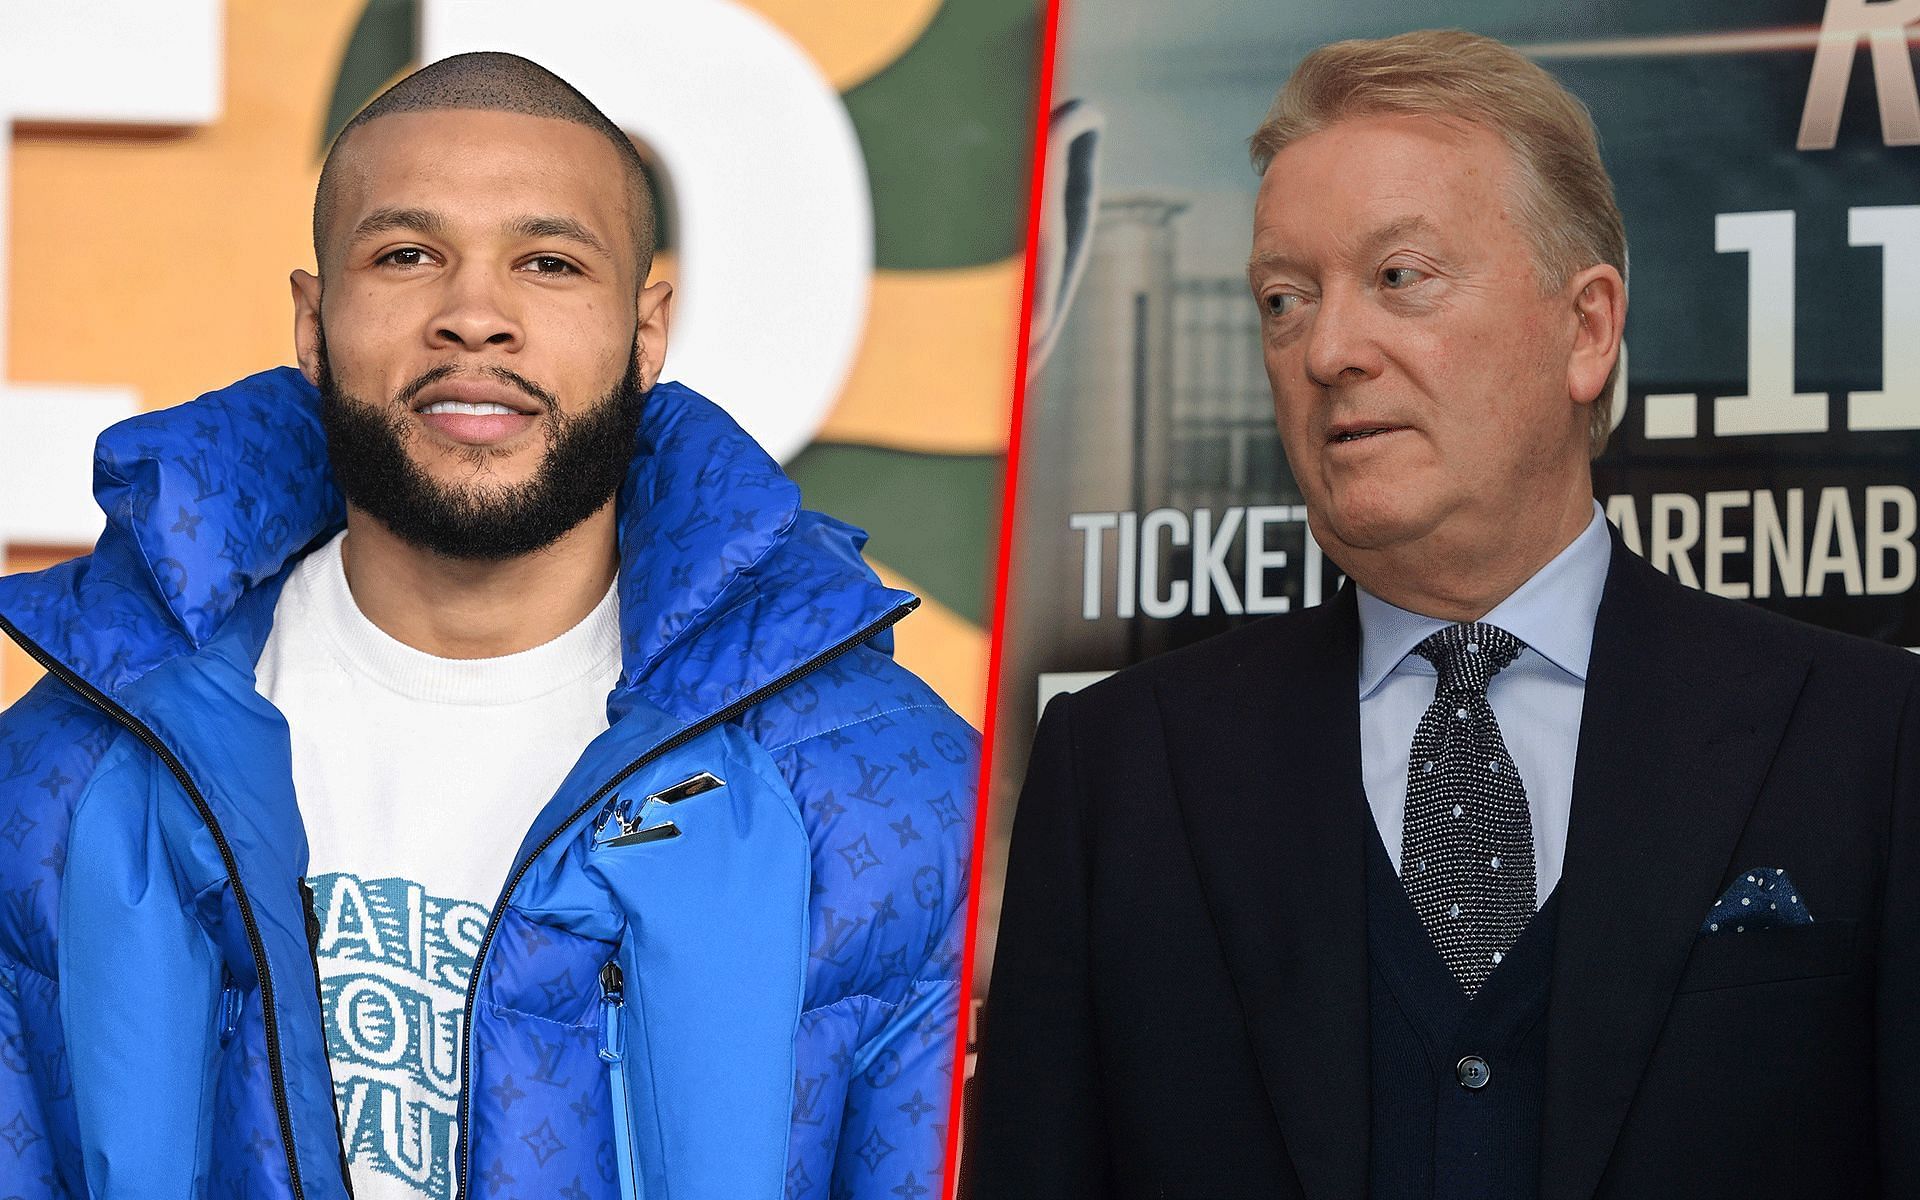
{"x": 1732, "y": 960}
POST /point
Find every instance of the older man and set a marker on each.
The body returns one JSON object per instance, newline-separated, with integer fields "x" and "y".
{"x": 1516, "y": 870}
{"x": 466, "y": 769}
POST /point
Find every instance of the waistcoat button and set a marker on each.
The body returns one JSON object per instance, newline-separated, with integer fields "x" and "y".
{"x": 1473, "y": 1072}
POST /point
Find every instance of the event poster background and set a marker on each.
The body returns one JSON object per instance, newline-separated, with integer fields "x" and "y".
{"x": 845, "y": 183}
{"x": 1767, "y": 445}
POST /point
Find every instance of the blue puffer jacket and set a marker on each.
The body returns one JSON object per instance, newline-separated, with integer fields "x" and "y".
{"x": 748, "y": 992}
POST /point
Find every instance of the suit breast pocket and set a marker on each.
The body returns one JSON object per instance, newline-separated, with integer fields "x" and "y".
{"x": 1729, "y": 960}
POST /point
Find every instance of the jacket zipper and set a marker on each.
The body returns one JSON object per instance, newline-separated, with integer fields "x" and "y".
{"x": 520, "y": 869}
{"x": 255, "y": 944}
{"x": 613, "y": 1050}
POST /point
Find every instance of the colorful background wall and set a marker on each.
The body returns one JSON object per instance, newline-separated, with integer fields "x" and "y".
{"x": 844, "y": 179}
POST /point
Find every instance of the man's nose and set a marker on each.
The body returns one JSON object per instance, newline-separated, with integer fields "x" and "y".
{"x": 476, "y": 311}
{"x": 1340, "y": 343}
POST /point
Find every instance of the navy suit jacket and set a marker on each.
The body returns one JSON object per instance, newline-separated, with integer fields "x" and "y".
{"x": 1179, "y": 1004}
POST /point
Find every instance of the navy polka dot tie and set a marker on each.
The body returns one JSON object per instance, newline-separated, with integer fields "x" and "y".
{"x": 1466, "y": 848}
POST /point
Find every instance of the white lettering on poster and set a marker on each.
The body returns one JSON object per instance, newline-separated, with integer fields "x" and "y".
{"x": 1174, "y": 602}
{"x": 1896, "y": 230}
{"x": 1211, "y": 545}
{"x": 1091, "y": 527}
{"x": 1831, "y": 543}
{"x": 1883, "y": 23}
{"x": 1149, "y": 574}
{"x": 1770, "y": 405}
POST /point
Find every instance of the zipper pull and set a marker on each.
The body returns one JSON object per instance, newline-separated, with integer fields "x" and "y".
{"x": 612, "y": 997}
{"x": 230, "y": 1010}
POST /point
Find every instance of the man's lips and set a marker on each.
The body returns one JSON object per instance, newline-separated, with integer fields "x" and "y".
{"x": 475, "y": 412}
{"x": 474, "y": 397}
{"x": 1349, "y": 432}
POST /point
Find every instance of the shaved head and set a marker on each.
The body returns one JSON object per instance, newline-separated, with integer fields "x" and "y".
{"x": 496, "y": 82}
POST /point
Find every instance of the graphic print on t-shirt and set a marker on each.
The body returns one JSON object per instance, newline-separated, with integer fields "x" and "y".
{"x": 394, "y": 963}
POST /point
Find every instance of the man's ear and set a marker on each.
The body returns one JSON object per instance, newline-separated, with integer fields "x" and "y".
{"x": 1600, "y": 318}
{"x": 652, "y": 317}
{"x": 306, "y": 323}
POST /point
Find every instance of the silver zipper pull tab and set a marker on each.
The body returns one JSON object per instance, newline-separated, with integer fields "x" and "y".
{"x": 231, "y": 1007}
{"x": 612, "y": 820}
{"x": 612, "y": 997}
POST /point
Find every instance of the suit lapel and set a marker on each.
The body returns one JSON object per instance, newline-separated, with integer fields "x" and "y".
{"x": 1678, "y": 729}
{"x": 1270, "y": 792}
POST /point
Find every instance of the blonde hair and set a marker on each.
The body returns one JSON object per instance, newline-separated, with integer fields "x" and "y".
{"x": 1562, "y": 194}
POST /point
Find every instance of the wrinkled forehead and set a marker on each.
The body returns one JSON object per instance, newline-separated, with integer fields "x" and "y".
{"x": 1341, "y": 189}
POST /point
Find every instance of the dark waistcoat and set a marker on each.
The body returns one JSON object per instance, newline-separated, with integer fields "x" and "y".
{"x": 1457, "y": 1084}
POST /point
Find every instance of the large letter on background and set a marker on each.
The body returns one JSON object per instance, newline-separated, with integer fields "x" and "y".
{"x": 1884, "y": 24}
{"x": 773, "y": 215}
{"x": 104, "y": 62}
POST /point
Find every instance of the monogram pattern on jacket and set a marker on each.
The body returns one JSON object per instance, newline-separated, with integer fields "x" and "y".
{"x": 727, "y": 588}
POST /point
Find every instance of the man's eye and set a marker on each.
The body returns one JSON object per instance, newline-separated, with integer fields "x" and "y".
{"x": 548, "y": 264}
{"x": 1279, "y": 304}
{"x": 405, "y": 256}
{"x": 1400, "y": 277}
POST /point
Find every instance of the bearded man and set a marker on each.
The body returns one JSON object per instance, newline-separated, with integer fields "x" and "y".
{"x": 462, "y": 766}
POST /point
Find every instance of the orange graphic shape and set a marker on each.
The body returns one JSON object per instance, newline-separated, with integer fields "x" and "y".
{"x": 943, "y": 648}
{"x": 850, "y": 40}
{"x": 160, "y": 261}
{"x": 935, "y": 370}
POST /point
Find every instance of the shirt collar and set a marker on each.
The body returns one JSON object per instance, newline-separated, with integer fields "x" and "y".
{"x": 1553, "y": 612}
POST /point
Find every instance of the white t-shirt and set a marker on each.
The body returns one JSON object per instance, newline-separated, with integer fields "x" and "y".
{"x": 416, "y": 777}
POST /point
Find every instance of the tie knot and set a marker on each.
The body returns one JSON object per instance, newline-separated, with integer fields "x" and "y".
{"x": 1469, "y": 656}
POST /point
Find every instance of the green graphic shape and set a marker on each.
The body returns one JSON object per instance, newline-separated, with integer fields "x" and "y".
{"x": 935, "y": 518}
{"x": 946, "y": 130}
{"x": 385, "y": 41}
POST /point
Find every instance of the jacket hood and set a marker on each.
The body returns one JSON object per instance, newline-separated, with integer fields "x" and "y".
{"x": 725, "y": 582}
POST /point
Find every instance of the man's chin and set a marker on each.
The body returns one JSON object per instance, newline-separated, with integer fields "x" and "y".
{"x": 1373, "y": 524}
{"x": 461, "y": 475}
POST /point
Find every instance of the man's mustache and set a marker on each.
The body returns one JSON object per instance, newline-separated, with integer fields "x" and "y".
{"x": 405, "y": 397}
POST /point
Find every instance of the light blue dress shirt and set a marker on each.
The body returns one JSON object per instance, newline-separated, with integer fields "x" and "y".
{"x": 1537, "y": 699}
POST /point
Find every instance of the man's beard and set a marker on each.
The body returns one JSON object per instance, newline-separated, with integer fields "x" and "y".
{"x": 586, "y": 460}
